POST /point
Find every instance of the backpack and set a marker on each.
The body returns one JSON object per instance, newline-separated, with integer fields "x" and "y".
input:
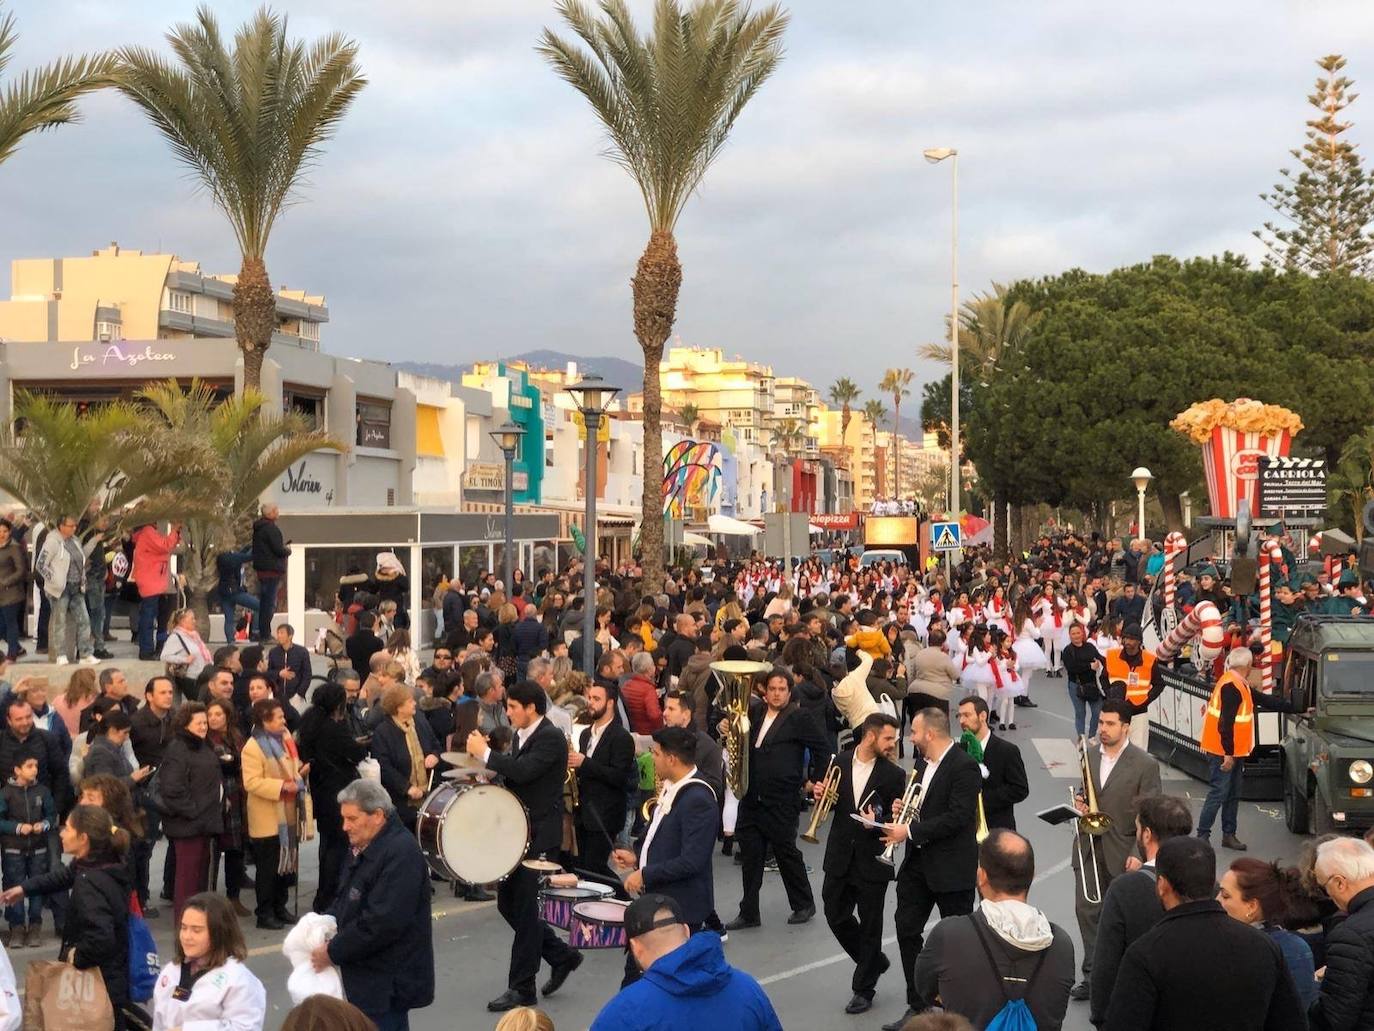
{"x": 144, "y": 967}
{"x": 1015, "y": 1015}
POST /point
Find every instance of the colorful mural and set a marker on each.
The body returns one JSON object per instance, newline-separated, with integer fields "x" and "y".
{"x": 691, "y": 476}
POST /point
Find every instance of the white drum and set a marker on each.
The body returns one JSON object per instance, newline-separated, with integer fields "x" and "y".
{"x": 476, "y": 833}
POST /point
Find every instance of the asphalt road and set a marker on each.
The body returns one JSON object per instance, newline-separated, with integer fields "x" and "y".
{"x": 802, "y": 968}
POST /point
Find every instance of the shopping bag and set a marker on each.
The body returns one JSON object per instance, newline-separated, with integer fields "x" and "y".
{"x": 58, "y": 997}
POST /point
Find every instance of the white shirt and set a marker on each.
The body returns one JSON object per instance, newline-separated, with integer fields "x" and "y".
{"x": 763, "y": 727}
{"x": 521, "y": 736}
{"x": 558, "y": 716}
{"x": 665, "y": 804}
{"x": 1108, "y": 764}
{"x": 595, "y": 738}
{"x": 228, "y": 998}
{"x": 860, "y": 772}
{"x": 929, "y": 774}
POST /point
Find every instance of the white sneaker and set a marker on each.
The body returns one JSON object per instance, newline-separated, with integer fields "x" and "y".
{"x": 61, "y": 660}
{"x": 90, "y": 660}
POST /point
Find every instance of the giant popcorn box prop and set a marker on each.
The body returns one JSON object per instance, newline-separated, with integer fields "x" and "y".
{"x": 1234, "y": 436}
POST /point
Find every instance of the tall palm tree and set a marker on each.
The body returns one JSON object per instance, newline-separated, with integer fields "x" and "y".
{"x": 248, "y": 123}
{"x": 667, "y": 102}
{"x": 875, "y": 412}
{"x": 844, "y": 392}
{"x": 789, "y": 434}
{"x": 45, "y": 97}
{"x": 690, "y": 414}
{"x": 989, "y": 327}
{"x": 897, "y": 382}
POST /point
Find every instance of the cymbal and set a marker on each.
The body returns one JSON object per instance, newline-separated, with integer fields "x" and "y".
{"x": 540, "y": 865}
{"x": 462, "y": 774}
{"x": 455, "y": 758}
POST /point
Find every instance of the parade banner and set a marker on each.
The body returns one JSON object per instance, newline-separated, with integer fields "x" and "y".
{"x": 1234, "y": 436}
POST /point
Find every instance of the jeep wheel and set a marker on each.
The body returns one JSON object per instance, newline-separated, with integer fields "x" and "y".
{"x": 1322, "y": 823}
{"x": 1295, "y": 810}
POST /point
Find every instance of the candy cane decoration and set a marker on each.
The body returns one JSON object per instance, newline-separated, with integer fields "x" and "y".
{"x": 1314, "y": 543}
{"x": 1174, "y": 545}
{"x": 1204, "y": 621}
{"x": 1270, "y": 555}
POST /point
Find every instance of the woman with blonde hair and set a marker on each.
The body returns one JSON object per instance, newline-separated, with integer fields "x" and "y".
{"x": 184, "y": 651}
{"x": 523, "y": 1018}
{"x": 81, "y": 691}
{"x": 506, "y": 661}
{"x": 398, "y": 647}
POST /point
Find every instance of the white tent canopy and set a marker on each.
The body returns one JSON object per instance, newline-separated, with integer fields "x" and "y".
{"x": 696, "y": 539}
{"x": 732, "y": 527}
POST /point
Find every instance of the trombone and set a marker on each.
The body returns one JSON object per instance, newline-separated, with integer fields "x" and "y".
{"x": 830, "y": 794}
{"x": 1090, "y": 826}
{"x": 906, "y": 816}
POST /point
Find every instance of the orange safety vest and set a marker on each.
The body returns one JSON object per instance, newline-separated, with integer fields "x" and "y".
{"x": 1242, "y": 731}
{"x": 1137, "y": 680}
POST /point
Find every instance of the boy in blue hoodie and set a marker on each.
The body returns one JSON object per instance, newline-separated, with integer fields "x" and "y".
{"x": 687, "y": 985}
{"x": 27, "y": 814}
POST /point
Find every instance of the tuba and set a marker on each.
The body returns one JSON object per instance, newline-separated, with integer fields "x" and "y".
{"x": 736, "y": 688}
{"x": 830, "y": 794}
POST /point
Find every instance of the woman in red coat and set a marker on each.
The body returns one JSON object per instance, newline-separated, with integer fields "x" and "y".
{"x": 152, "y": 575}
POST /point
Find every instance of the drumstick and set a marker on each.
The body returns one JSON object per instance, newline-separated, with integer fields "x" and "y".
{"x": 602, "y": 827}
{"x": 431, "y": 780}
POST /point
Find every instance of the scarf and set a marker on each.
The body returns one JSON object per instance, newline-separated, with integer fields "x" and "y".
{"x": 276, "y": 748}
{"x": 418, "y": 777}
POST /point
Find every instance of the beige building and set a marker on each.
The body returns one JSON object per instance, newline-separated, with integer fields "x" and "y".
{"x": 119, "y": 294}
{"x": 798, "y": 400}
{"x": 861, "y": 443}
{"x": 735, "y": 393}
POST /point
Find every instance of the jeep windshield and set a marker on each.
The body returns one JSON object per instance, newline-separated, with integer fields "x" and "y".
{"x": 1348, "y": 673}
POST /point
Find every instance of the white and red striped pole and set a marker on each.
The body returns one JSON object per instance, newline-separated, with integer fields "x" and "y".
{"x": 1270, "y": 555}
{"x": 1203, "y": 621}
{"x": 1175, "y": 544}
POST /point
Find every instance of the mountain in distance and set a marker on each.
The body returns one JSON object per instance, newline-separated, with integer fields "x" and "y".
{"x": 618, "y": 372}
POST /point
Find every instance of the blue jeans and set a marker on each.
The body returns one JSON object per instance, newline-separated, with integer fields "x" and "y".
{"x": 267, "y": 605}
{"x": 1223, "y": 794}
{"x": 1082, "y": 709}
{"x": 10, "y": 618}
{"x": 95, "y": 608}
{"x": 150, "y": 635}
{"x": 19, "y": 867}
{"x": 229, "y": 604}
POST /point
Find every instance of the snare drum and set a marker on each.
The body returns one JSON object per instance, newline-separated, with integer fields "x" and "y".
{"x": 476, "y": 833}
{"x": 598, "y": 925}
{"x": 556, "y": 904}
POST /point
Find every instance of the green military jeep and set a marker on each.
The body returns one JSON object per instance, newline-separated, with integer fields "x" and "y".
{"x": 1328, "y": 757}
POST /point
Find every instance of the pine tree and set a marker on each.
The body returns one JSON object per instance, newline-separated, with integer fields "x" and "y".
{"x": 1330, "y": 201}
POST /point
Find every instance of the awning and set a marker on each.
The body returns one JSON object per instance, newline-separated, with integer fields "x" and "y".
{"x": 695, "y": 538}
{"x": 615, "y": 520}
{"x": 731, "y": 527}
{"x": 813, "y": 528}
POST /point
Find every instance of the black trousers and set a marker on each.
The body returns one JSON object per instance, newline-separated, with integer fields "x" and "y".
{"x": 756, "y": 830}
{"x": 517, "y": 900}
{"x": 593, "y": 839}
{"x": 273, "y": 888}
{"x": 861, "y": 935}
{"x": 915, "y": 902}
{"x": 333, "y": 852}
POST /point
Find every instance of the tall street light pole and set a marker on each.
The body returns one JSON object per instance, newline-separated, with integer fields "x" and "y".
{"x": 592, "y": 395}
{"x": 508, "y": 438}
{"x": 935, "y": 155}
{"x": 1141, "y": 478}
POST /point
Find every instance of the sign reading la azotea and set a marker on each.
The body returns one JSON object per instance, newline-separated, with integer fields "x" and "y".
{"x": 1291, "y": 486}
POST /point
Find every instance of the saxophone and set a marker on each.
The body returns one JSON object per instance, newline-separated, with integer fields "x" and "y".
{"x": 651, "y": 803}
{"x": 736, "y": 680}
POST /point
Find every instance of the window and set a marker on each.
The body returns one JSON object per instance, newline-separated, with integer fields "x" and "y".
{"x": 472, "y": 563}
{"x": 109, "y": 331}
{"x": 548, "y": 450}
{"x": 179, "y": 301}
{"x": 307, "y": 403}
{"x": 310, "y": 330}
{"x": 374, "y": 423}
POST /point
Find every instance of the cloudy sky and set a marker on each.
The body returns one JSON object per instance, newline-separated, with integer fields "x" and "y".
{"x": 465, "y": 210}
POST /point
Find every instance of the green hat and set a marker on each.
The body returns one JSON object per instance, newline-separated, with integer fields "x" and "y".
{"x": 1349, "y": 578}
{"x": 1303, "y": 579}
{"x": 1207, "y": 569}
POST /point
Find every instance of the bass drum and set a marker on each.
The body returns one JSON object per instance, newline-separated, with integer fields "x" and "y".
{"x": 476, "y": 833}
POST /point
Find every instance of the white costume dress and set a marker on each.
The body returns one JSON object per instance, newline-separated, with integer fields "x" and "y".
{"x": 1029, "y": 655}
{"x": 977, "y": 672}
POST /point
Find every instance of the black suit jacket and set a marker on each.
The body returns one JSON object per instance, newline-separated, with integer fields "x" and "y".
{"x": 1005, "y": 784}
{"x": 605, "y": 778}
{"x": 711, "y": 763}
{"x": 943, "y": 846}
{"x": 778, "y": 768}
{"x": 851, "y": 849}
{"x": 678, "y": 862}
{"x": 536, "y": 774}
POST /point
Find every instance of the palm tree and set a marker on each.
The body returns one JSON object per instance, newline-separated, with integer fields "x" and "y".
{"x": 875, "y": 412}
{"x": 247, "y": 124}
{"x": 667, "y": 102}
{"x": 690, "y": 414}
{"x": 843, "y": 392}
{"x": 45, "y": 97}
{"x": 989, "y": 328}
{"x": 1351, "y": 482}
{"x": 897, "y": 382}
{"x": 247, "y": 452}
{"x": 789, "y": 434}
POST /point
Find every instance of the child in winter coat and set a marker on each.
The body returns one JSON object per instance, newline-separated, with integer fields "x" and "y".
{"x": 27, "y": 813}
{"x": 869, "y": 638}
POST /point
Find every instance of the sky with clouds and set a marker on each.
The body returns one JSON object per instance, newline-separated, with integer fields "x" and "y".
{"x": 465, "y": 211}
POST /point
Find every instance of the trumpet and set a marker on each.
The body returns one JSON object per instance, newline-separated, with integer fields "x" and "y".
{"x": 830, "y": 794}
{"x": 969, "y": 742}
{"x": 1090, "y": 826}
{"x": 736, "y": 678}
{"x": 908, "y": 803}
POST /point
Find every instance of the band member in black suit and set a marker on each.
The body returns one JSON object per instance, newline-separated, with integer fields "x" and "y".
{"x": 780, "y": 733}
{"x": 679, "y": 710}
{"x": 675, "y": 856}
{"x": 534, "y": 769}
{"x": 941, "y": 864}
{"x": 1004, "y": 771}
{"x": 606, "y": 774}
{"x": 854, "y": 877}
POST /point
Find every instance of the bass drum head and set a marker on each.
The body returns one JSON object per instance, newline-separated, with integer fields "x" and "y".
{"x": 485, "y": 833}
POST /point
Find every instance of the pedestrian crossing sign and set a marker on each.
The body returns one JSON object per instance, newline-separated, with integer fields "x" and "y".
{"x": 944, "y": 536}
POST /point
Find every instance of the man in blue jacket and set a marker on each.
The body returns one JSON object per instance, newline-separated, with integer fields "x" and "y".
{"x": 687, "y": 985}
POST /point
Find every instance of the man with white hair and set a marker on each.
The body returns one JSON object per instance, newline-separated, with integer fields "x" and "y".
{"x": 540, "y": 670}
{"x": 1345, "y": 871}
{"x": 1228, "y": 736}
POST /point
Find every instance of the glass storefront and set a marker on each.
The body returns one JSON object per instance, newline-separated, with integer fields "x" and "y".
{"x": 324, "y": 566}
{"x": 545, "y": 557}
{"x": 435, "y": 564}
{"x": 473, "y": 561}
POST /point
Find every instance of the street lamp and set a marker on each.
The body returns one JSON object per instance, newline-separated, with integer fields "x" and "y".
{"x": 591, "y": 394}
{"x": 507, "y": 438}
{"x": 935, "y": 155}
{"x": 1141, "y": 478}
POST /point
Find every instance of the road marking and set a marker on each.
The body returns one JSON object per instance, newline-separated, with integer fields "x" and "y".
{"x": 1059, "y": 756}
{"x": 806, "y": 968}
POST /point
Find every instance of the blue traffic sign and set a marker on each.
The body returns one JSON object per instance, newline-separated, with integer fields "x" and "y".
{"x": 944, "y": 536}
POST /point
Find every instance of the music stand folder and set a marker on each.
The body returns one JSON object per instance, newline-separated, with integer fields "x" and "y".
{"x": 1057, "y": 814}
